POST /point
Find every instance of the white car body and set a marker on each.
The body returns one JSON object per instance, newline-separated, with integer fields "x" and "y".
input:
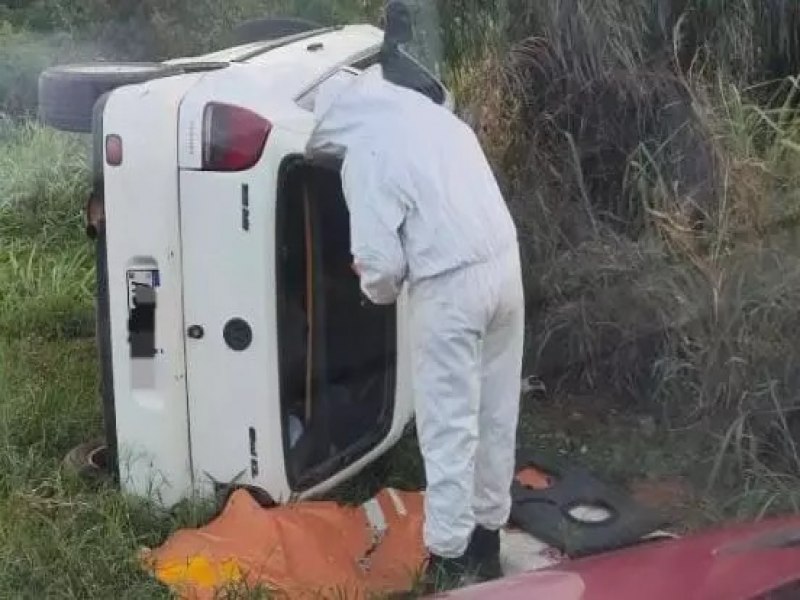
{"x": 197, "y": 413}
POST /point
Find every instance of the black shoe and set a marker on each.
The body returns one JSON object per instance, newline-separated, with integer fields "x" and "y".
{"x": 443, "y": 574}
{"x": 483, "y": 554}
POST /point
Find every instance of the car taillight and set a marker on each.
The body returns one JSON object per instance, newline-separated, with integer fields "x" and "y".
{"x": 114, "y": 150}
{"x": 233, "y": 137}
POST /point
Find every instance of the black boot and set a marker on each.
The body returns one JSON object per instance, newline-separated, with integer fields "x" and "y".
{"x": 443, "y": 574}
{"x": 483, "y": 554}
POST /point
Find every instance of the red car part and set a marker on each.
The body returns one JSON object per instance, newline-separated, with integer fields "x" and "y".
{"x": 746, "y": 562}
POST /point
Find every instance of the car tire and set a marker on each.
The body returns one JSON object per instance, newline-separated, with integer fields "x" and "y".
{"x": 269, "y": 28}
{"x": 67, "y": 93}
{"x": 88, "y": 461}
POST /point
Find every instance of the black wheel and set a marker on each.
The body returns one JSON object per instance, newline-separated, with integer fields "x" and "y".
{"x": 67, "y": 93}
{"x": 262, "y": 30}
{"x": 89, "y": 461}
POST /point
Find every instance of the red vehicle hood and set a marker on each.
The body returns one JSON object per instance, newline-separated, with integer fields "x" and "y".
{"x": 743, "y": 562}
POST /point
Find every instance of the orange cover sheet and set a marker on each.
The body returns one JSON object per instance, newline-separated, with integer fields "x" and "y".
{"x": 303, "y": 550}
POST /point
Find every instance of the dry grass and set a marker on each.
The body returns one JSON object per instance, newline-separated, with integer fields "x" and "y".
{"x": 655, "y": 196}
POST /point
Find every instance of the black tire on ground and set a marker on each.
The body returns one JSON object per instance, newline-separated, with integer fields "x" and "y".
{"x": 269, "y": 28}
{"x": 88, "y": 461}
{"x": 67, "y": 93}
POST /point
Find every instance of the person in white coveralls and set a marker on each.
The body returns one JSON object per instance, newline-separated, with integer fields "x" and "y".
{"x": 426, "y": 211}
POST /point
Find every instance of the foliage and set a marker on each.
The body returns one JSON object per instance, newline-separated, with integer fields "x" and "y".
{"x": 655, "y": 200}
{"x": 44, "y": 183}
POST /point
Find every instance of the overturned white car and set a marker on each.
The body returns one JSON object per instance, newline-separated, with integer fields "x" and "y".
{"x": 235, "y": 344}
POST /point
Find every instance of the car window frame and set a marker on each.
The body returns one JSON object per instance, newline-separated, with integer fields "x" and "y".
{"x": 361, "y": 63}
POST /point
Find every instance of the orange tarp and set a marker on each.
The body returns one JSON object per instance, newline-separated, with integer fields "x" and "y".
{"x": 304, "y": 550}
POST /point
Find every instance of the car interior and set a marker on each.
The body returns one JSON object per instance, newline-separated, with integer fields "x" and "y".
{"x": 337, "y": 349}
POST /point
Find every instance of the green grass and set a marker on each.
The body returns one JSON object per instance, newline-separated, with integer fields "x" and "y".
{"x": 44, "y": 185}
{"x": 49, "y": 292}
{"x": 59, "y": 538}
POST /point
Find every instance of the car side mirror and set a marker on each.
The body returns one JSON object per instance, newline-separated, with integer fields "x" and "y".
{"x": 399, "y": 23}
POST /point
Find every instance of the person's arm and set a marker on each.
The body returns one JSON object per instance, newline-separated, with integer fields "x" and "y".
{"x": 377, "y": 214}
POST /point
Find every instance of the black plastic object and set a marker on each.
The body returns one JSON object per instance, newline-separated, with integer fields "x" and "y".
{"x": 68, "y": 93}
{"x": 270, "y": 28}
{"x": 400, "y": 69}
{"x": 399, "y": 23}
{"x": 397, "y": 66}
{"x": 196, "y": 332}
{"x": 545, "y": 513}
{"x": 238, "y": 334}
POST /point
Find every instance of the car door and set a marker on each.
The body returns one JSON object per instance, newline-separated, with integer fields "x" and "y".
{"x": 402, "y": 71}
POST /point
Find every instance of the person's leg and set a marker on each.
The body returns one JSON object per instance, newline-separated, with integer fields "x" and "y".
{"x": 446, "y": 379}
{"x": 500, "y": 396}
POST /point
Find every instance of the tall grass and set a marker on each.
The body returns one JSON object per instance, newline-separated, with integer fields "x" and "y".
{"x": 654, "y": 190}
{"x": 747, "y": 38}
{"x": 46, "y": 272}
{"x": 44, "y": 183}
{"x": 47, "y": 293}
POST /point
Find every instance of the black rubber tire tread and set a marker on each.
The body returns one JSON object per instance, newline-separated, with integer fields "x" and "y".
{"x": 68, "y": 94}
{"x": 269, "y": 28}
{"x": 78, "y": 461}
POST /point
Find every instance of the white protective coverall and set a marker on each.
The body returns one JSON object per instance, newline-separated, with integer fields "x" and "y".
{"x": 426, "y": 209}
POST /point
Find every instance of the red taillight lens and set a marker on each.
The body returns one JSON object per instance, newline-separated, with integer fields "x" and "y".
{"x": 233, "y": 137}
{"x": 114, "y": 150}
